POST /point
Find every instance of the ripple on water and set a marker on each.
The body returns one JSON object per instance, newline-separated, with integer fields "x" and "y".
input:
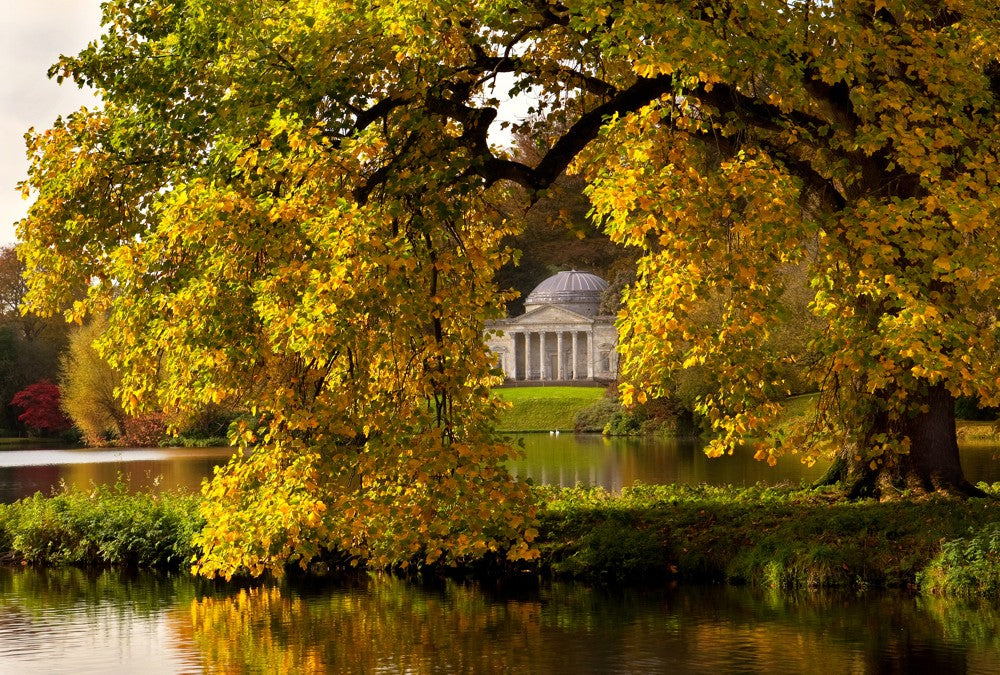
{"x": 102, "y": 638}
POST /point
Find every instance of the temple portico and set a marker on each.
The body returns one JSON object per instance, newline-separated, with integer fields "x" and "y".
{"x": 560, "y": 337}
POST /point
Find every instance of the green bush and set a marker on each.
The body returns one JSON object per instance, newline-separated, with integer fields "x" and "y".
{"x": 968, "y": 566}
{"x": 6, "y": 538}
{"x": 766, "y": 536}
{"x": 106, "y": 526}
{"x": 623, "y": 423}
{"x": 663, "y": 416}
{"x": 184, "y": 441}
{"x": 596, "y": 416}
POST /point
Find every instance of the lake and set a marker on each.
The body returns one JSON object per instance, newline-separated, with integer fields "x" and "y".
{"x": 75, "y": 621}
{"x": 71, "y": 621}
{"x": 565, "y": 460}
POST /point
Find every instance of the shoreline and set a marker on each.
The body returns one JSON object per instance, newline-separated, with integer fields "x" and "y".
{"x": 789, "y": 538}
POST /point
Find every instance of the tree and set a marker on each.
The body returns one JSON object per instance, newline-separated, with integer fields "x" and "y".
{"x": 29, "y": 346}
{"x": 308, "y": 188}
{"x": 864, "y": 145}
{"x": 12, "y": 286}
{"x": 88, "y": 387}
{"x": 42, "y": 412}
{"x": 553, "y": 232}
{"x": 208, "y": 208}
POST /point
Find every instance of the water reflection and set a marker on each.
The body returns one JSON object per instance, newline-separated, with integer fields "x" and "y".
{"x": 69, "y": 621}
{"x": 392, "y": 626}
{"x": 613, "y": 463}
{"x": 567, "y": 460}
{"x": 24, "y": 472}
{"x": 564, "y": 460}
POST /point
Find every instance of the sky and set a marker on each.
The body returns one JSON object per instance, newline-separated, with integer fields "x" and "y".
{"x": 33, "y": 34}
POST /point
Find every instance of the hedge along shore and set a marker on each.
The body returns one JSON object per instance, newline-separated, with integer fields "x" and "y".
{"x": 778, "y": 537}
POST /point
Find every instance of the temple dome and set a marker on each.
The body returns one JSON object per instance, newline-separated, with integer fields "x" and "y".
{"x": 579, "y": 292}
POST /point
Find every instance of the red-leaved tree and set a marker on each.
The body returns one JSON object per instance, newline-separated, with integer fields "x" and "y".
{"x": 41, "y": 405}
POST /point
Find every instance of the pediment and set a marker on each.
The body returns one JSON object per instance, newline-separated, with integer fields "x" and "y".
{"x": 549, "y": 314}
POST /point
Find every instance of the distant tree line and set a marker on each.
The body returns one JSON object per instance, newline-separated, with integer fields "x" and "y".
{"x": 54, "y": 383}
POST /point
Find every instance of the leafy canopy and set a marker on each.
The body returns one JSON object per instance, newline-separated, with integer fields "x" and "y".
{"x": 291, "y": 205}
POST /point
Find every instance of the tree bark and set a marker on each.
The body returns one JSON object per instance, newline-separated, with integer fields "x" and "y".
{"x": 931, "y": 465}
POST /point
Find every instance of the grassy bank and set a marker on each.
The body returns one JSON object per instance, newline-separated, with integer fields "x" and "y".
{"x": 983, "y": 432}
{"x": 647, "y": 534}
{"x": 772, "y": 537}
{"x": 545, "y": 408}
{"x": 17, "y": 442}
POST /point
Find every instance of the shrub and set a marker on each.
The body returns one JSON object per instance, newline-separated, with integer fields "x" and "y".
{"x": 40, "y": 403}
{"x": 88, "y": 385}
{"x": 6, "y": 538}
{"x": 211, "y": 421}
{"x": 184, "y": 441}
{"x": 106, "y": 526}
{"x": 968, "y": 566}
{"x": 617, "y": 551}
{"x": 663, "y": 416}
{"x": 624, "y": 423}
{"x": 143, "y": 431}
{"x": 596, "y": 416}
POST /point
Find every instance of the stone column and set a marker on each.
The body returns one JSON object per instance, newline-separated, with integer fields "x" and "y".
{"x": 513, "y": 352}
{"x": 543, "y": 357}
{"x": 527, "y": 355}
{"x": 590, "y": 355}
{"x": 559, "y": 357}
{"x": 576, "y": 353}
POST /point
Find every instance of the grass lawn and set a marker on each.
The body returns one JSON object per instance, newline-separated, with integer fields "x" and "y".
{"x": 545, "y": 408}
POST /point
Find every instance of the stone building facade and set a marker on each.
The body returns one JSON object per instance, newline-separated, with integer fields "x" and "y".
{"x": 560, "y": 337}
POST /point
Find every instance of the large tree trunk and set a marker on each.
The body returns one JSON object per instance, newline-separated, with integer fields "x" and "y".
{"x": 931, "y": 465}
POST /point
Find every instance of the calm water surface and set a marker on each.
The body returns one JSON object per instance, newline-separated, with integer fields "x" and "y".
{"x": 68, "y": 621}
{"x": 71, "y": 621}
{"x": 564, "y": 460}
{"x": 25, "y": 472}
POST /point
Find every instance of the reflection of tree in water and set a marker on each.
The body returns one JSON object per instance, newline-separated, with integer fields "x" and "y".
{"x": 975, "y": 623}
{"x": 40, "y": 591}
{"x": 384, "y": 623}
{"x": 389, "y": 624}
{"x": 590, "y": 459}
{"x": 89, "y": 621}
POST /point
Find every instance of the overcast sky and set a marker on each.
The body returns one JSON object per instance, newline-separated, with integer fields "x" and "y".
{"x": 33, "y": 33}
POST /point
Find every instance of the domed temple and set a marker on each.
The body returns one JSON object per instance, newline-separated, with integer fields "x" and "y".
{"x": 560, "y": 337}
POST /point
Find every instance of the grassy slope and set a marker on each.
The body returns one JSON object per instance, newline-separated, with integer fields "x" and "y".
{"x": 545, "y": 408}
